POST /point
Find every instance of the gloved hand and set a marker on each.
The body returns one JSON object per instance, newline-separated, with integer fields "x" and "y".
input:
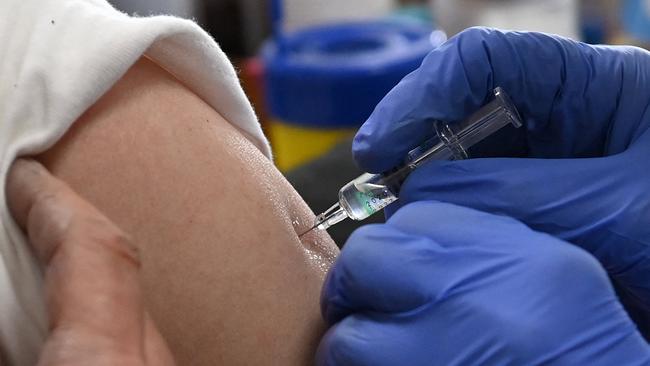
{"x": 586, "y": 177}
{"x": 440, "y": 284}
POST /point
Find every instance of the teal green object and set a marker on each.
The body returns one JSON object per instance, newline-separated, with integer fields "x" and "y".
{"x": 332, "y": 76}
{"x": 414, "y": 13}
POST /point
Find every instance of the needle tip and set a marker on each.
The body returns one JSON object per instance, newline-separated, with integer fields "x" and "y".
{"x": 308, "y": 231}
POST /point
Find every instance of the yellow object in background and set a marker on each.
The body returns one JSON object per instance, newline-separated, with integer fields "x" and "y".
{"x": 322, "y": 82}
{"x": 294, "y": 146}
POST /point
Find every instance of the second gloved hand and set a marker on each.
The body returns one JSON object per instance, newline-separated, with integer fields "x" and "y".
{"x": 440, "y": 284}
{"x": 586, "y": 141}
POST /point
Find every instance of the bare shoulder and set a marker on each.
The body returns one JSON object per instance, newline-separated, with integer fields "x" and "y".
{"x": 141, "y": 140}
{"x": 226, "y": 278}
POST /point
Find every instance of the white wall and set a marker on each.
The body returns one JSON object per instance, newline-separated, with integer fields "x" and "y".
{"x": 299, "y": 13}
{"x": 550, "y": 16}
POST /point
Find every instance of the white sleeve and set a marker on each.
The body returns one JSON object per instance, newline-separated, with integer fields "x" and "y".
{"x": 58, "y": 57}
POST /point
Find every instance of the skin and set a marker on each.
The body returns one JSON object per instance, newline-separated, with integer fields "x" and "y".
{"x": 225, "y": 276}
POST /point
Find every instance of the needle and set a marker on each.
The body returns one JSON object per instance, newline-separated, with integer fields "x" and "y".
{"x": 328, "y": 218}
{"x": 308, "y": 231}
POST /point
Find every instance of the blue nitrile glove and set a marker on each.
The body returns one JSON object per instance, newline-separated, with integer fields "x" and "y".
{"x": 440, "y": 284}
{"x": 586, "y": 178}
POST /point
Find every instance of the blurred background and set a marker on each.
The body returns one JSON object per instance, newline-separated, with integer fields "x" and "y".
{"x": 315, "y": 69}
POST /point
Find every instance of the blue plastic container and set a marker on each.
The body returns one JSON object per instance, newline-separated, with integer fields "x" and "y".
{"x": 329, "y": 78}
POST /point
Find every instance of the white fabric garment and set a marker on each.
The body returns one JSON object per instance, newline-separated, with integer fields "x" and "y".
{"x": 57, "y": 57}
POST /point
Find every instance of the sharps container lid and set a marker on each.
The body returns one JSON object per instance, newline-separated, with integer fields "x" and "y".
{"x": 332, "y": 76}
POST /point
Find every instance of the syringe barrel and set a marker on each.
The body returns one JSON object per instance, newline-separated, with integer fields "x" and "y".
{"x": 370, "y": 193}
{"x": 366, "y": 195}
{"x": 487, "y": 120}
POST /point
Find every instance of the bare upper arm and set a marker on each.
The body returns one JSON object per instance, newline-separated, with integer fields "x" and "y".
{"x": 226, "y": 278}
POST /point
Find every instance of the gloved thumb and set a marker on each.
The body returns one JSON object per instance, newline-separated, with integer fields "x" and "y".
{"x": 375, "y": 272}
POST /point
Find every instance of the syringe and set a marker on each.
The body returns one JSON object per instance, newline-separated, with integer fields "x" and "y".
{"x": 370, "y": 193}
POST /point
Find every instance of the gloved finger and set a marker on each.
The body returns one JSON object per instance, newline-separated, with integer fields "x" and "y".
{"x": 459, "y": 230}
{"x": 95, "y": 304}
{"x": 378, "y": 339}
{"x": 375, "y": 272}
{"x": 480, "y": 249}
{"x": 427, "y": 254}
{"x": 355, "y": 341}
{"x": 424, "y": 252}
{"x": 458, "y": 77}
